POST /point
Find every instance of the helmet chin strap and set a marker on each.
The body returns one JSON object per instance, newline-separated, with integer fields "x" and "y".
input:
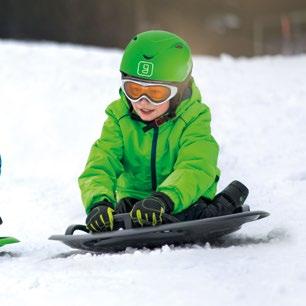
{"x": 153, "y": 123}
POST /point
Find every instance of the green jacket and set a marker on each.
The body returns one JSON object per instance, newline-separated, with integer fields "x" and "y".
{"x": 178, "y": 158}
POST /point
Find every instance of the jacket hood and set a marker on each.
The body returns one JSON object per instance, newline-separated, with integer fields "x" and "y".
{"x": 186, "y": 103}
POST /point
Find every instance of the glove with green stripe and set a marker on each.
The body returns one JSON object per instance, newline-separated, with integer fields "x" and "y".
{"x": 150, "y": 211}
{"x": 100, "y": 218}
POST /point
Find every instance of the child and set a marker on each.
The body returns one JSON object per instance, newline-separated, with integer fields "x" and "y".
{"x": 156, "y": 154}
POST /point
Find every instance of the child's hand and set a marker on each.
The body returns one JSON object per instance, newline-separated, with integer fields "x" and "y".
{"x": 100, "y": 218}
{"x": 150, "y": 211}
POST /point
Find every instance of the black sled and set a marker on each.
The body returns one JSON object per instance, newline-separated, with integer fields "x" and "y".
{"x": 174, "y": 233}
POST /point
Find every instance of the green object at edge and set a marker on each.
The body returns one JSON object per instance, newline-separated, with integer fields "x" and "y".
{"x": 7, "y": 240}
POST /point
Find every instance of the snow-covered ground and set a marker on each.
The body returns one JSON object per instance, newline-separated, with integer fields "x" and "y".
{"x": 52, "y": 101}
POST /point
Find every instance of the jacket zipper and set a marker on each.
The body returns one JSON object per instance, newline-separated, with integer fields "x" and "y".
{"x": 153, "y": 158}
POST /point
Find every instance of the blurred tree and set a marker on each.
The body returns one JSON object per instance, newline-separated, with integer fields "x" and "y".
{"x": 237, "y": 27}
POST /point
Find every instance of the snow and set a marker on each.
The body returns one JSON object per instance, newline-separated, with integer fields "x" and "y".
{"x": 52, "y": 108}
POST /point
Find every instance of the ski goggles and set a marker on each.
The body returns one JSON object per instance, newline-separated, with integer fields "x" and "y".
{"x": 155, "y": 93}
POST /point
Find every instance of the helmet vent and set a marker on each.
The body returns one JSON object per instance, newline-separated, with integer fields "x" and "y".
{"x": 135, "y": 38}
{"x": 179, "y": 46}
{"x": 148, "y": 57}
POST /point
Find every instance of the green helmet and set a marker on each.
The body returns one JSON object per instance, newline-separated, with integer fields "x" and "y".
{"x": 157, "y": 56}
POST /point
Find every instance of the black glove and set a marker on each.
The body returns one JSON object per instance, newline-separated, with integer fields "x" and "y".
{"x": 100, "y": 218}
{"x": 150, "y": 211}
{"x": 125, "y": 205}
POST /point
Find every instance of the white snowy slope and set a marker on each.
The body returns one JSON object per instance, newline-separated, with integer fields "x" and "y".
{"x": 52, "y": 101}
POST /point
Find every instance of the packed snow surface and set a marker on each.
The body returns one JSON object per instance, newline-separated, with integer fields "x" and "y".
{"x": 53, "y": 99}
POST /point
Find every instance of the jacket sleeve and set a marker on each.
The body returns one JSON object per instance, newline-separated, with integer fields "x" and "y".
{"x": 98, "y": 180}
{"x": 195, "y": 170}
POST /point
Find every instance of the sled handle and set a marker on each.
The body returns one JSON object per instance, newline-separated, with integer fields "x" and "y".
{"x": 123, "y": 219}
{"x": 74, "y": 227}
{"x": 127, "y": 221}
{"x": 170, "y": 218}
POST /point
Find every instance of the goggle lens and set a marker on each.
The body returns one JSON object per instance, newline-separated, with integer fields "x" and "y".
{"x": 157, "y": 93}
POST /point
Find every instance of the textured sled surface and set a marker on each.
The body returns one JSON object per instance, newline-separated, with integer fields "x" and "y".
{"x": 175, "y": 233}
